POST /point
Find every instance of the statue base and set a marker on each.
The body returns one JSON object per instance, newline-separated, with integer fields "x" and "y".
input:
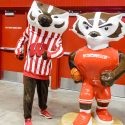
{"x": 68, "y": 119}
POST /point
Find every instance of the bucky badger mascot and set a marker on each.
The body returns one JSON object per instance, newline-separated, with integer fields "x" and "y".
{"x": 98, "y": 64}
{"x": 46, "y": 24}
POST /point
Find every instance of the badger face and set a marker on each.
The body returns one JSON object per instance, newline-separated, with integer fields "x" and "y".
{"x": 99, "y": 28}
{"x": 48, "y": 17}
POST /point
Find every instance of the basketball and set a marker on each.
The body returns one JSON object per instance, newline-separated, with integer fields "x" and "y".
{"x": 75, "y": 74}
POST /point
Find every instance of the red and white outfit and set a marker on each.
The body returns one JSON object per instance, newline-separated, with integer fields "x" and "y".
{"x": 91, "y": 63}
{"x": 38, "y": 41}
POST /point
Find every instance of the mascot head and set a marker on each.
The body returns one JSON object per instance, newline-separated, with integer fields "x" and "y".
{"x": 48, "y": 17}
{"x": 99, "y": 28}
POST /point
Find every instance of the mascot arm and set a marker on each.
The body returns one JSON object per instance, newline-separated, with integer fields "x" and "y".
{"x": 75, "y": 74}
{"x": 108, "y": 77}
{"x": 71, "y": 60}
{"x": 57, "y": 51}
{"x": 121, "y": 67}
{"x": 19, "y": 51}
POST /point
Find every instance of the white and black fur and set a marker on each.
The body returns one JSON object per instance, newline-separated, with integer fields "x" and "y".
{"x": 48, "y": 17}
{"x": 99, "y": 28}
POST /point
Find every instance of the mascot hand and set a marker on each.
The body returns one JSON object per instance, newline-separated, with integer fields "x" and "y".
{"x": 44, "y": 55}
{"x": 20, "y": 56}
{"x": 19, "y": 53}
{"x": 107, "y": 78}
{"x": 75, "y": 74}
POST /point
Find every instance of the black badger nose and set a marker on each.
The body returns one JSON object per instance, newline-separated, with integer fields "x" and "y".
{"x": 94, "y": 34}
{"x": 44, "y": 20}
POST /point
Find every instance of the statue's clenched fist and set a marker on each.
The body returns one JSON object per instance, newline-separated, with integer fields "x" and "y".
{"x": 107, "y": 78}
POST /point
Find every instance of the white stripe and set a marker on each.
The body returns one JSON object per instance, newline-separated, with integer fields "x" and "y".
{"x": 50, "y": 9}
{"x": 52, "y": 42}
{"x": 100, "y": 121}
{"x": 59, "y": 41}
{"x": 34, "y": 37}
{"x": 48, "y": 36}
{"x": 43, "y": 67}
{"x": 96, "y": 19}
{"x": 25, "y": 63}
{"x": 27, "y": 30}
{"x": 38, "y": 65}
{"x": 86, "y": 111}
{"x": 16, "y": 52}
{"x": 48, "y": 67}
{"x": 101, "y": 107}
{"x": 25, "y": 34}
{"x": 28, "y": 63}
{"x": 58, "y": 53}
{"x": 86, "y": 100}
{"x": 33, "y": 41}
{"x": 21, "y": 40}
{"x": 40, "y": 59}
{"x": 41, "y": 37}
{"x": 33, "y": 64}
{"x": 103, "y": 101}
{"x": 34, "y": 58}
{"x": 30, "y": 35}
{"x": 28, "y": 58}
{"x": 49, "y": 48}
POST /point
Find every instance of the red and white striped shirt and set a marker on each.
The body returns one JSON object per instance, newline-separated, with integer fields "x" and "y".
{"x": 38, "y": 41}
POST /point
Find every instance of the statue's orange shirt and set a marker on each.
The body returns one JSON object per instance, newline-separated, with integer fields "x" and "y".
{"x": 91, "y": 63}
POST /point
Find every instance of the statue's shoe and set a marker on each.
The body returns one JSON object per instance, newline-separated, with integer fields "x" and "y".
{"x": 103, "y": 116}
{"x": 83, "y": 119}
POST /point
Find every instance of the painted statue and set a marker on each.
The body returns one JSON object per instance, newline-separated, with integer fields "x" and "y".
{"x": 97, "y": 64}
{"x": 42, "y": 38}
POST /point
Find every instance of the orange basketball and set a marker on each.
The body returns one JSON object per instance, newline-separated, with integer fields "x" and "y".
{"x": 75, "y": 74}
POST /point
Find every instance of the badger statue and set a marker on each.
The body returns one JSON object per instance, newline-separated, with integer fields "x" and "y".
{"x": 98, "y": 64}
{"x": 46, "y": 24}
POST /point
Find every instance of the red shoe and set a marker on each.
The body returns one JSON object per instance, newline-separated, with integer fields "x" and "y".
{"x": 28, "y": 122}
{"x": 103, "y": 116}
{"x": 45, "y": 114}
{"x": 83, "y": 119}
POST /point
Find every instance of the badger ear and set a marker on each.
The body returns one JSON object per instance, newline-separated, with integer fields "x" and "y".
{"x": 76, "y": 28}
{"x": 123, "y": 23}
{"x": 122, "y": 14}
{"x": 119, "y": 16}
{"x": 120, "y": 32}
{"x": 78, "y": 16}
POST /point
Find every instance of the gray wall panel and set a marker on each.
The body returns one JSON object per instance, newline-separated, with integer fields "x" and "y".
{"x": 117, "y": 90}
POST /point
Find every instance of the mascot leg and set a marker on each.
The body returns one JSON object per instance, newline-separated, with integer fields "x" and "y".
{"x": 86, "y": 97}
{"x": 29, "y": 90}
{"x": 42, "y": 91}
{"x": 103, "y": 98}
